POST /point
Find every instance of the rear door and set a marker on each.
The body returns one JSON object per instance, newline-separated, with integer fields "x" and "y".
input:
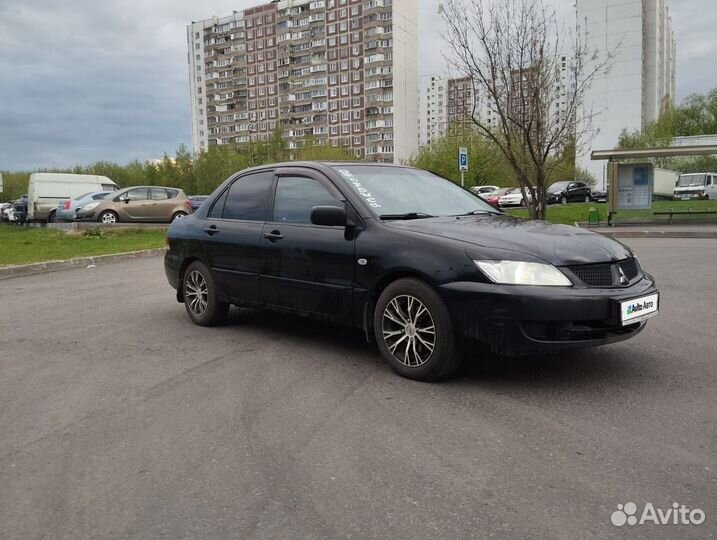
{"x": 309, "y": 267}
{"x": 164, "y": 202}
{"x": 232, "y": 244}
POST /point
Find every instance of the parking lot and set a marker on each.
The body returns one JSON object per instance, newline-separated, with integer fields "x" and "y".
{"x": 121, "y": 419}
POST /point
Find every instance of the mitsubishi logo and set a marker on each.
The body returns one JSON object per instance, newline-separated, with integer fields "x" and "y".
{"x": 623, "y": 277}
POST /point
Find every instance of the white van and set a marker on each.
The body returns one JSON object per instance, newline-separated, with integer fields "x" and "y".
{"x": 696, "y": 186}
{"x": 47, "y": 189}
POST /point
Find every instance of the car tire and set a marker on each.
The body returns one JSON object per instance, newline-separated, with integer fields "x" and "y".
{"x": 108, "y": 217}
{"x": 587, "y": 198}
{"x": 200, "y": 296}
{"x": 178, "y": 215}
{"x": 406, "y": 312}
{"x": 51, "y": 217}
{"x": 563, "y": 200}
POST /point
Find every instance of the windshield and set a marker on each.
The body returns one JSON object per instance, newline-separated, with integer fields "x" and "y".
{"x": 557, "y": 186}
{"x": 397, "y": 191}
{"x": 689, "y": 180}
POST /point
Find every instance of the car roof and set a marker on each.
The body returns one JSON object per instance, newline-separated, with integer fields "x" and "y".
{"x": 323, "y": 165}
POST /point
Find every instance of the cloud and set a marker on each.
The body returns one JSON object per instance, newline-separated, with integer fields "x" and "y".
{"x": 107, "y": 80}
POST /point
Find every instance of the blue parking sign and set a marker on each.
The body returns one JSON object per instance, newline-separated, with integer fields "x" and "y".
{"x": 463, "y": 159}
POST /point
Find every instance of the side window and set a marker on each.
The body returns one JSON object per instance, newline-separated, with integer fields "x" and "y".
{"x": 139, "y": 194}
{"x": 248, "y": 196}
{"x": 171, "y": 193}
{"x": 159, "y": 194}
{"x": 296, "y": 196}
{"x": 218, "y": 206}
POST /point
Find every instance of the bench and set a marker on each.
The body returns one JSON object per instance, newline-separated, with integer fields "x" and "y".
{"x": 672, "y": 212}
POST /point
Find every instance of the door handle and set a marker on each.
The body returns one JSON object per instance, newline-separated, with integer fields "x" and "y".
{"x": 212, "y": 229}
{"x": 273, "y": 236}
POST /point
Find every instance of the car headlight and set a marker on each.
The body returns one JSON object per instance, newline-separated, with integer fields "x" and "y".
{"x": 523, "y": 273}
{"x": 90, "y": 206}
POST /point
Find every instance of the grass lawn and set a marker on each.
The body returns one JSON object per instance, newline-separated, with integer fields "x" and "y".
{"x": 22, "y": 245}
{"x": 570, "y": 213}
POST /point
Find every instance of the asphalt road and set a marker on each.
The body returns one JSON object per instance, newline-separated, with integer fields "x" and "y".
{"x": 121, "y": 419}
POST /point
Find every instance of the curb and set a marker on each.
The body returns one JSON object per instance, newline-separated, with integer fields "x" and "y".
{"x": 80, "y": 262}
{"x": 657, "y": 234}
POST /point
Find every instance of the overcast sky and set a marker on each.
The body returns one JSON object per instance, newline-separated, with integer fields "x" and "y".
{"x": 82, "y": 81}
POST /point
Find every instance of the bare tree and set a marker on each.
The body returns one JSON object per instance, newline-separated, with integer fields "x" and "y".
{"x": 516, "y": 54}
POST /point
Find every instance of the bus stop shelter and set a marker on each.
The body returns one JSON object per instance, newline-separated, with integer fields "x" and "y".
{"x": 616, "y": 157}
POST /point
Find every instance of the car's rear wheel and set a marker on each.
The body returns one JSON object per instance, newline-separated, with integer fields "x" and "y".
{"x": 200, "y": 296}
{"x": 414, "y": 332}
{"x": 108, "y": 217}
{"x": 51, "y": 217}
{"x": 178, "y": 215}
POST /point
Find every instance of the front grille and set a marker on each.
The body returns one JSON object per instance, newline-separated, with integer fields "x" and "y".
{"x": 606, "y": 274}
{"x": 593, "y": 275}
{"x": 629, "y": 266}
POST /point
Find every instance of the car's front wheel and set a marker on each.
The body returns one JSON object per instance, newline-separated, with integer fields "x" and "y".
{"x": 108, "y": 217}
{"x": 414, "y": 332}
{"x": 200, "y": 296}
{"x": 563, "y": 200}
{"x": 587, "y": 198}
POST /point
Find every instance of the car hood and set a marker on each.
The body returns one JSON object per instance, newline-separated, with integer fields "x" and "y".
{"x": 556, "y": 244}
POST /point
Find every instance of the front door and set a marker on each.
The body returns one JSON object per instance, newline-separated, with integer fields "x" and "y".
{"x": 136, "y": 205}
{"x": 233, "y": 245}
{"x": 309, "y": 267}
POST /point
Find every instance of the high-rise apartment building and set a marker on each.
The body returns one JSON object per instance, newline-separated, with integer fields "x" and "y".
{"x": 335, "y": 72}
{"x": 641, "y": 80}
{"x": 432, "y": 109}
{"x": 461, "y": 100}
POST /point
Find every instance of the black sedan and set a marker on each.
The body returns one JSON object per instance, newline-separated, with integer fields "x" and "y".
{"x": 420, "y": 264}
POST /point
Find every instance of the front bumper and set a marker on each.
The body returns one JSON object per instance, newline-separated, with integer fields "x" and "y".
{"x": 526, "y": 320}
{"x": 85, "y": 216}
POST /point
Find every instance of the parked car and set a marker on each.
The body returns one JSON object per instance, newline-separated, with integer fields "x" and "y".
{"x": 568, "y": 191}
{"x": 598, "y": 195}
{"x": 480, "y": 190}
{"x": 696, "y": 186}
{"x": 197, "y": 201}
{"x": 67, "y": 209}
{"x": 139, "y": 203}
{"x": 46, "y": 190}
{"x": 493, "y": 197}
{"x": 513, "y": 198}
{"x": 413, "y": 260}
{"x": 5, "y": 211}
{"x": 19, "y": 210}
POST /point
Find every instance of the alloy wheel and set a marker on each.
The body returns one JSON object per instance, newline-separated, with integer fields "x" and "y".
{"x": 109, "y": 218}
{"x": 196, "y": 293}
{"x": 408, "y": 330}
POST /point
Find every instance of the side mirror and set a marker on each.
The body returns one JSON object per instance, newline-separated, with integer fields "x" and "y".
{"x": 332, "y": 216}
{"x": 125, "y": 199}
